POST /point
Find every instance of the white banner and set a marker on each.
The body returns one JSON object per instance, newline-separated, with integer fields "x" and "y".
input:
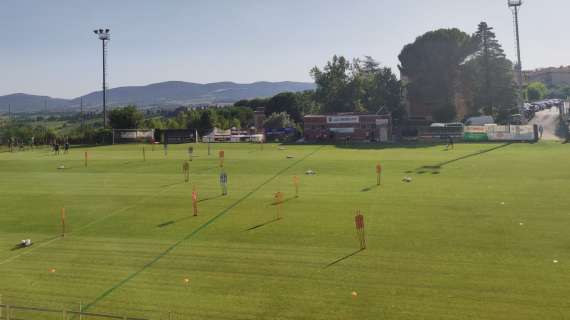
{"x": 342, "y": 130}
{"x": 510, "y": 133}
{"x": 146, "y": 134}
{"x": 342, "y": 119}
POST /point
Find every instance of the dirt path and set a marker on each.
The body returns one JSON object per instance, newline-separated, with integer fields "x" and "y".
{"x": 549, "y": 120}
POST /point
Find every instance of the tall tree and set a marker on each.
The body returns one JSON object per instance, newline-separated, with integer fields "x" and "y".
{"x": 360, "y": 86}
{"x": 490, "y": 74}
{"x": 536, "y": 91}
{"x": 333, "y": 90}
{"x": 378, "y": 89}
{"x": 128, "y": 117}
{"x": 431, "y": 66}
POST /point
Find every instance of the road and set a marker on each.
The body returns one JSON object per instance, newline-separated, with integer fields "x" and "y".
{"x": 549, "y": 120}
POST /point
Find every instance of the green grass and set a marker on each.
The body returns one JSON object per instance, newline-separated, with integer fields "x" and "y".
{"x": 441, "y": 247}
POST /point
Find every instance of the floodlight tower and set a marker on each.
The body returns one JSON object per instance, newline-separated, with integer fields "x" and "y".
{"x": 104, "y": 35}
{"x": 515, "y": 5}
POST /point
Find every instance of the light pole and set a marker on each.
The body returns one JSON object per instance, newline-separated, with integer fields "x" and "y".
{"x": 515, "y": 5}
{"x": 104, "y": 35}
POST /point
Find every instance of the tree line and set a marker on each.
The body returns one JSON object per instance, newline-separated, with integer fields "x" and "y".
{"x": 446, "y": 74}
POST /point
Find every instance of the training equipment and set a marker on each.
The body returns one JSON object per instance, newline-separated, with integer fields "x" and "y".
{"x": 195, "y": 201}
{"x": 190, "y": 152}
{"x": 279, "y": 203}
{"x": 224, "y": 183}
{"x": 63, "y": 222}
{"x": 296, "y": 184}
{"x": 186, "y": 171}
{"x": 143, "y": 154}
{"x": 359, "y": 222}
{"x": 86, "y": 158}
{"x": 378, "y": 173}
{"x": 221, "y": 156}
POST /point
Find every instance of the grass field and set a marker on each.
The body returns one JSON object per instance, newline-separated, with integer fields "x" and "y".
{"x": 475, "y": 235}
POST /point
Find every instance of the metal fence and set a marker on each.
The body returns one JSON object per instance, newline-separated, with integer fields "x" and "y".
{"x": 11, "y": 312}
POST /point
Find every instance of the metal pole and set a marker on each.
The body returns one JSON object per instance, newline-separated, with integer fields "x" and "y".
{"x": 519, "y": 62}
{"x": 82, "y": 115}
{"x": 104, "y": 87}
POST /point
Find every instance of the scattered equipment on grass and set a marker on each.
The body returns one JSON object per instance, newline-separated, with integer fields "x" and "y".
{"x": 195, "y": 201}
{"x": 359, "y": 223}
{"x": 221, "y": 155}
{"x": 63, "y": 222}
{"x": 25, "y": 243}
{"x": 186, "y": 171}
{"x": 279, "y": 203}
{"x": 224, "y": 183}
{"x": 296, "y": 182}
{"x": 378, "y": 173}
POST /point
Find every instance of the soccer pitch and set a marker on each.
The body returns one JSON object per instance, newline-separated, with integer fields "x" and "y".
{"x": 481, "y": 232}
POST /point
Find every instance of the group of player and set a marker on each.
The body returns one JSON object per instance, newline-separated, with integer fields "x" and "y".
{"x": 56, "y": 147}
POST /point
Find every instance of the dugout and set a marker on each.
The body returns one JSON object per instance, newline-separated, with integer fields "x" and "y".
{"x": 175, "y": 136}
{"x": 348, "y": 127}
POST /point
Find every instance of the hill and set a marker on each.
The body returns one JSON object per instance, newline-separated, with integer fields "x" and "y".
{"x": 171, "y": 93}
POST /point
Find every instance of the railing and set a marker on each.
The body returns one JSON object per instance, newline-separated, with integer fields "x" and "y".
{"x": 10, "y": 312}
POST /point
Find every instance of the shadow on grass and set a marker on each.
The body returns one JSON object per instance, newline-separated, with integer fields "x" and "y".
{"x": 435, "y": 169}
{"x": 18, "y": 247}
{"x": 344, "y": 258}
{"x": 171, "y": 222}
{"x": 273, "y": 204}
{"x": 210, "y": 198}
{"x": 374, "y": 186}
{"x": 172, "y": 184}
{"x": 263, "y": 224}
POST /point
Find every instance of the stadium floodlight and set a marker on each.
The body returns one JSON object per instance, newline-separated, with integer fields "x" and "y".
{"x": 515, "y": 5}
{"x": 104, "y": 36}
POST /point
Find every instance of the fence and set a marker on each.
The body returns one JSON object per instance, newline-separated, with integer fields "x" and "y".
{"x": 10, "y": 312}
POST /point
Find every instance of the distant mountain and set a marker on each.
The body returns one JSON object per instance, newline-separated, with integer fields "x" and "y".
{"x": 21, "y": 102}
{"x": 171, "y": 93}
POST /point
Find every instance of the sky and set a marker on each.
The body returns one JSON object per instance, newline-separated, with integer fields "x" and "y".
{"x": 48, "y": 47}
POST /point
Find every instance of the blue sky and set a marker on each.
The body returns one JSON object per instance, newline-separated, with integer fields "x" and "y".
{"x": 48, "y": 47}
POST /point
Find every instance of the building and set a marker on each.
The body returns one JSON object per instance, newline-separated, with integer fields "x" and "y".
{"x": 347, "y": 126}
{"x": 259, "y": 118}
{"x": 175, "y": 136}
{"x": 549, "y": 76}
